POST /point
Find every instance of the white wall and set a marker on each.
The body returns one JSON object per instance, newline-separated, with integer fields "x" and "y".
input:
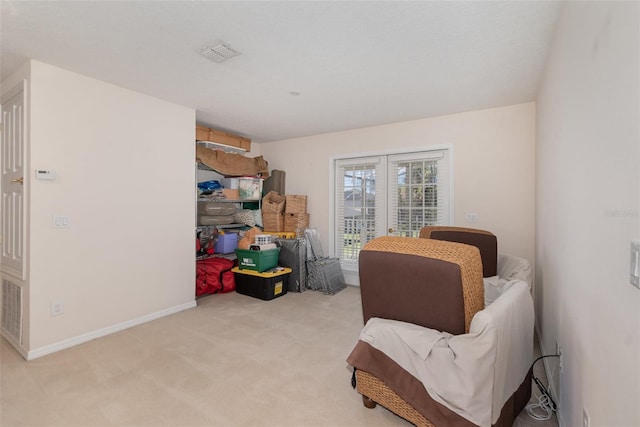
{"x": 493, "y": 163}
{"x": 125, "y": 165}
{"x": 587, "y": 211}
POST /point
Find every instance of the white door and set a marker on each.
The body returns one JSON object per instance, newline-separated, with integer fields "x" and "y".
{"x": 12, "y": 173}
{"x": 418, "y": 191}
{"x": 388, "y": 195}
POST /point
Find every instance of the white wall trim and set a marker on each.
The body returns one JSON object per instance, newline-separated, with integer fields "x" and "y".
{"x": 390, "y": 151}
{"x": 80, "y": 339}
{"x": 19, "y": 348}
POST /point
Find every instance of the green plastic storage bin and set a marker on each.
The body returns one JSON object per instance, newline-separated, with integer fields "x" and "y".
{"x": 257, "y": 260}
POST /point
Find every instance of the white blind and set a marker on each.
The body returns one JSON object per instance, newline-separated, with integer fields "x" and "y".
{"x": 418, "y": 191}
{"x": 358, "y": 203}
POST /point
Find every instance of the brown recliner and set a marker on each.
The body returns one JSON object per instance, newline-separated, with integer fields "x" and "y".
{"x": 432, "y": 283}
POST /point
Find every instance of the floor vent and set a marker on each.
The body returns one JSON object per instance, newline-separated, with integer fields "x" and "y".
{"x": 12, "y": 311}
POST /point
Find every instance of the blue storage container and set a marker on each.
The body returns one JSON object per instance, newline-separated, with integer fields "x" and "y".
{"x": 226, "y": 243}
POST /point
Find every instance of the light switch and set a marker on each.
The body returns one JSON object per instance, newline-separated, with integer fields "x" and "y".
{"x": 472, "y": 217}
{"x": 635, "y": 263}
{"x": 61, "y": 221}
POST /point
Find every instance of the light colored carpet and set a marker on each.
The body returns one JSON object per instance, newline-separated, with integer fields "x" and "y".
{"x": 232, "y": 361}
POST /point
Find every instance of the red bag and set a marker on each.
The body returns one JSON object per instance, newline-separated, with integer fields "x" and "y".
{"x": 214, "y": 275}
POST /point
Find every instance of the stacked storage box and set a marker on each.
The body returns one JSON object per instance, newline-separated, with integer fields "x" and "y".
{"x": 273, "y": 212}
{"x": 296, "y": 218}
{"x": 257, "y": 260}
{"x": 265, "y": 286}
{"x": 257, "y": 274}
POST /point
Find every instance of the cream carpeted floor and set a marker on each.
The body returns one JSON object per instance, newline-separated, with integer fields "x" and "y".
{"x": 232, "y": 361}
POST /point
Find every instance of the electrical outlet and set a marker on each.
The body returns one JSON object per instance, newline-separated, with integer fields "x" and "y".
{"x": 559, "y": 353}
{"x": 586, "y": 419}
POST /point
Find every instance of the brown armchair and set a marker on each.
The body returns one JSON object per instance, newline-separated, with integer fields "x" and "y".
{"x": 431, "y": 283}
{"x": 484, "y": 240}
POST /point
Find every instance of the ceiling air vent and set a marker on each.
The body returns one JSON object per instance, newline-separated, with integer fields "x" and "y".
{"x": 220, "y": 52}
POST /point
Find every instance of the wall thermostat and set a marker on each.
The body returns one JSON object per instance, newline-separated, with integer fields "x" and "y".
{"x": 46, "y": 175}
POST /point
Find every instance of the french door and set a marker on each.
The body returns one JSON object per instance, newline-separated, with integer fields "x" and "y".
{"x": 394, "y": 194}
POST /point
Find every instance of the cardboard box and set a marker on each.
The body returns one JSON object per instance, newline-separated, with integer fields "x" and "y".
{"x": 231, "y": 194}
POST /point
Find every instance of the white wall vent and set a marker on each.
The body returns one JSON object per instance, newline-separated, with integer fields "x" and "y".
{"x": 219, "y": 52}
{"x": 12, "y": 311}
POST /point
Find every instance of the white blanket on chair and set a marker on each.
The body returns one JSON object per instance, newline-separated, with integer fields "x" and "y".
{"x": 472, "y": 374}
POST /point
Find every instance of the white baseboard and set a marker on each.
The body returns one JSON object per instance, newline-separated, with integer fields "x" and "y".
{"x": 9, "y": 340}
{"x": 71, "y": 342}
{"x": 351, "y": 277}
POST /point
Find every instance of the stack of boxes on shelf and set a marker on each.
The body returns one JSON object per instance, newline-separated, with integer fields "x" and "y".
{"x": 283, "y": 218}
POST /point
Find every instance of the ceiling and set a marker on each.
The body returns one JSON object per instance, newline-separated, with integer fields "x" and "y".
{"x": 355, "y": 64}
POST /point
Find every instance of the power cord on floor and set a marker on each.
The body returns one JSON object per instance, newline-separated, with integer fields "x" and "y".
{"x": 546, "y": 406}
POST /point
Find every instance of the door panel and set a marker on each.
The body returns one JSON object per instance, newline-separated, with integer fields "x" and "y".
{"x": 418, "y": 192}
{"x": 13, "y": 201}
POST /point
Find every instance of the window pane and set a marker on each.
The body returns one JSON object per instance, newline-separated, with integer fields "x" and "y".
{"x": 358, "y": 209}
{"x": 416, "y": 187}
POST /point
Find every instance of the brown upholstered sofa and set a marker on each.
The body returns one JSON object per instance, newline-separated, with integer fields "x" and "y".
{"x": 434, "y": 284}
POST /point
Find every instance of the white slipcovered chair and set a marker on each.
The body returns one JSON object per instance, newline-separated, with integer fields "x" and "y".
{"x": 430, "y": 350}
